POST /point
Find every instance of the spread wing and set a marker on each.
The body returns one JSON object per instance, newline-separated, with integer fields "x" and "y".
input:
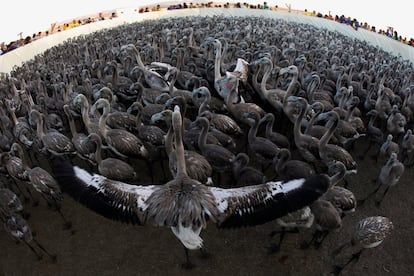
{"x": 258, "y": 204}
{"x": 112, "y": 199}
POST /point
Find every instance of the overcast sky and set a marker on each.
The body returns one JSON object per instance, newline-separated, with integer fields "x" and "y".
{"x": 32, "y": 16}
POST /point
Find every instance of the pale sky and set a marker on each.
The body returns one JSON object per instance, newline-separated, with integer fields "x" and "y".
{"x": 33, "y": 16}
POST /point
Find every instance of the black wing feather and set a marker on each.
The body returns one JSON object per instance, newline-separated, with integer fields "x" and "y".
{"x": 89, "y": 196}
{"x": 280, "y": 204}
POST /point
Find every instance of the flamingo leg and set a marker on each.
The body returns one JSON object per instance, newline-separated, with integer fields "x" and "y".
{"x": 273, "y": 247}
{"x": 53, "y": 257}
{"x": 38, "y": 254}
{"x": 355, "y": 257}
{"x": 188, "y": 264}
{"x": 378, "y": 202}
{"x": 321, "y": 237}
{"x": 362, "y": 201}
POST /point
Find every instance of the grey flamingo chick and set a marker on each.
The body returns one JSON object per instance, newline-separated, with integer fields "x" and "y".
{"x": 262, "y": 148}
{"x": 277, "y": 138}
{"x": 151, "y": 135}
{"x": 342, "y": 198}
{"x": 15, "y": 167}
{"x": 305, "y": 218}
{"x": 122, "y": 142}
{"x": 53, "y": 141}
{"x": 307, "y": 145}
{"x": 110, "y": 167}
{"x": 9, "y": 202}
{"x": 45, "y": 184}
{"x": 90, "y": 122}
{"x": 202, "y": 99}
{"x": 396, "y": 122}
{"x": 20, "y": 230}
{"x": 370, "y": 232}
{"x": 330, "y": 152}
{"x": 287, "y": 168}
{"x": 222, "y": 122}
{"x": 326, "y": 219}
{"x": 387, "y": 148}
{"x": 237, "y": 110}
{"x": 219, "y": 157}
{"x": 198, "y": 167}
{"x": 183, "y": 204}
{"x": 244, "y": 174}
{"x": 407, "y": 148}
{"x": 83, "y": 150}
{"x": 291, "y": 223}
{"x": 389, "y": 176}
{"x": 373, "y": 133}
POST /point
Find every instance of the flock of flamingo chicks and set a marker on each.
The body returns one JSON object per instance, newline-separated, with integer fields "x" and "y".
{"x": 248, "y": 120}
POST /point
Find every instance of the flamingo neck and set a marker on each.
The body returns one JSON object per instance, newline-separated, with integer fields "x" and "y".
{"x": 180, "y": 60}
{"x": 179, "y": 148}
{"x": 300, "y": 72}
{"x": 291, "y": 86}
{"x": 372, "y": 121}
{"x": 169, "y": 141}
{"x": 309, "y": 126}
{"x": 139, "y": 120}
{"x": 296, "y": 128}
{"x": 334, "y": 179}
{"x": 251, "y": 136}
{"x": 255, "y": 75}
{"x": 217, "y": 62}
{"x": 310, "y": 91}
{"x": 269, "y": 126}
{"x": 85, "y": 114}
{"x": 14, "y": 117}
{"x": 115, "y": 75}
{"x": 98, "y": 150}
{"x": 21, "y": 155}
{"x": 29, "y": 98}
{"x": 204, "y": 105}
{"x": 190, "y": 39}
{"x": 265, "y": 77}
{"x": 328, "y": 134}
{"x": 348, "y": 113}
{"x": 40, "y": 127}
{"x": 72, "y": 126}
{"x": 139, "y": 60}
{"x": 102, "y": 120}
{"x": 230, "y": 98}
{"x": 281, "y": 164}
{"x": 172, "y": 83}
{"x": 202, "y": 139}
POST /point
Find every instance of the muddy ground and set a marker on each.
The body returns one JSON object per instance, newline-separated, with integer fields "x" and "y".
{"x": 104, "y": 247}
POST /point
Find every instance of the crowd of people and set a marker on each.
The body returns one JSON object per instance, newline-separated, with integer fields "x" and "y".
{"x": 5, "y": 48}
{"x": 354, "y": 23}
